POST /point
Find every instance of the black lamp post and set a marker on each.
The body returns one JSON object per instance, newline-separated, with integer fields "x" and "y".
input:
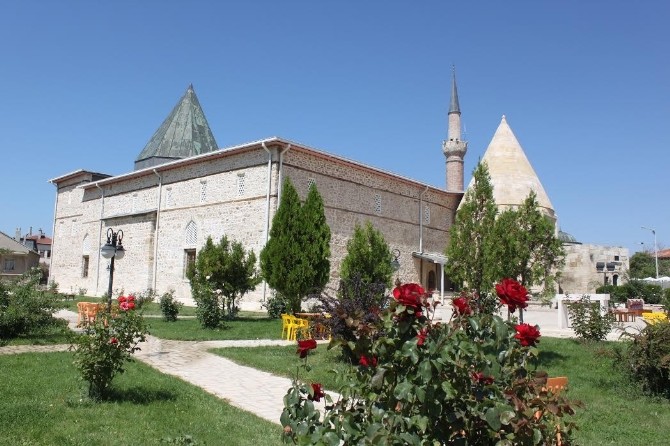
{"x": 111, "y": 250}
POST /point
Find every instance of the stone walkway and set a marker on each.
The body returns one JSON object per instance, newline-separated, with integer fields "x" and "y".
{"x": 247, "y": 388}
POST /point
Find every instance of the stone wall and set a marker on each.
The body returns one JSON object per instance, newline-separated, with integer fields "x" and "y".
{"x": 227, "y": 194}
{"x": 579, "y": 274}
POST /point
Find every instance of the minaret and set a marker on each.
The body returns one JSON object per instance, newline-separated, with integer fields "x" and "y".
{"x": 454, "y": 149}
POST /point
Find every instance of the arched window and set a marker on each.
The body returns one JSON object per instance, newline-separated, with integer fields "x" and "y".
{"x": 191, "y": 235}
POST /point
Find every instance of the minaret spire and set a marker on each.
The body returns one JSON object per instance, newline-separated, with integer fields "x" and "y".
{"x": 453, "y": 106}
{"x": 454, "y": 149}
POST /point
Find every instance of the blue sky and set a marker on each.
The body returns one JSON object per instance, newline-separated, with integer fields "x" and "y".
{"x": 584, "y": 85}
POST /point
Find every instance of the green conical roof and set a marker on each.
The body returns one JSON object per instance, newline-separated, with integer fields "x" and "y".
{"x": 184, "y": 133}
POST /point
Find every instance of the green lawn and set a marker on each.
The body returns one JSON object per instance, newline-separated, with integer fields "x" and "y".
{"x": 241, "y": 328}
{"x": 283, "y": 361}
{"x": 42, "y": 404}
{"x": 615, "y": 412}
{"x": 57, "y": 334}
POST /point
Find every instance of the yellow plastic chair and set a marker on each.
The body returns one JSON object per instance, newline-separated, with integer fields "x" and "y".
{"x": 302, "y": 327}
{"x": 287, "y": 326}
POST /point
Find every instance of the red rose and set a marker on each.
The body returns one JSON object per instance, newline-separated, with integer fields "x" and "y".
{"x": 461, "y": 305}
{"x": 480, "y": 378}
{"x": 305, "y": 346}
{"x": 367, "y": 362}
{"x": 512, "y": 294}
{"x": 131, "y": 305}
{"x": 131, "y": 298}
{"x": 317, "y": 392}
{"x": 527, "y": 334}
{"x": 409, "y": 295}
{"x": 122, "y": 299}
{"x": 423, "y": 334}
{"x": 113, "y": 341}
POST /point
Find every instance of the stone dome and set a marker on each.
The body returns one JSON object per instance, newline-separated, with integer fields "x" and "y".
{"x": 564, "y": 237}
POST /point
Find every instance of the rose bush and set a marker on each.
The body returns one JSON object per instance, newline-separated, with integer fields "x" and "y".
{"x": 468, "y": 381}
{"x": 105, "y": 345}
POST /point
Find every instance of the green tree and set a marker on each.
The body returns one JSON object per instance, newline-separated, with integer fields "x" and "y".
{"x": 642, "y": 264}
{"x": 295, "y": 261}
{"x": 317, "y": 238}
{"x": 221, "y": 275}
{"x": 526, "y": 246}
{"x": 470, "y": 248}
{"x": 368, "y": 256}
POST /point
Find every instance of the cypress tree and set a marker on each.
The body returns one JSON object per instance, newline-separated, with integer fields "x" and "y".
{"x": 470, "y": 249}
{"x": 368, "y": 257}
{"x": 295, "y": 260}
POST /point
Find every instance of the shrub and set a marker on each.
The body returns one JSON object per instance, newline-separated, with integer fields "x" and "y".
{"x": 618, "y": 294}
{"x": 221, "y": 275}
{"x": 101, "y": 351}
{"x": 24, "y": 308}
{"x": 355, "y": 313}
{"x": 588, "y": 322}
{"x": 666, "y": 301}
{"x": 276, "y": 305}
{"x": 170, "y": 306}
{"x": 633, "y": 289}
{"x": 147, "y": 296}
{"x": 208, "y": 310}
{"x": 470, "y": 381}
{"x": 648, "y": 358}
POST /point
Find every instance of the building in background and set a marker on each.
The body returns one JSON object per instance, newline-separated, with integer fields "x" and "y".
{"x": 15, "y": 257}
{"x": 587, "y": 266}
{"x": 184, "y": 189}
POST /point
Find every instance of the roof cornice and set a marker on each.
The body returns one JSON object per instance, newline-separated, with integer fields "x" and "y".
{"x": 256, "y": 145}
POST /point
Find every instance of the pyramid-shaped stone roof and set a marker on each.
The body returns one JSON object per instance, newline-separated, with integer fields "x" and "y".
{"x": 184, "y": 133}
{"x": 512, "y": 175}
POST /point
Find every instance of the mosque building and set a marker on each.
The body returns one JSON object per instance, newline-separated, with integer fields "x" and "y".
{"x": 184, "y": 189}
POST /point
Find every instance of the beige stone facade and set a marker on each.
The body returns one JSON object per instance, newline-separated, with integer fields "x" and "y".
{"x": 166, "y": 210}
{"x": 589, "y": 266}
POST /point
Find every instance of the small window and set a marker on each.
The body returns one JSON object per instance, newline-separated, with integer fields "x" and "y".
{"x": 9, "y": 265}
{"x": 203, "y": 191}
{"x": 240, "y": 184}
{"x": 426, "y": 215}
{"x": 378, "y": 204}
{"x": 168, "y": 197}
{"x": 133, "y": 206}
{"x": 616, "y": 258}
{"x": 84, "y": 267}
{"x": 310, "y": 182}
{"x": 189, "y": 259}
